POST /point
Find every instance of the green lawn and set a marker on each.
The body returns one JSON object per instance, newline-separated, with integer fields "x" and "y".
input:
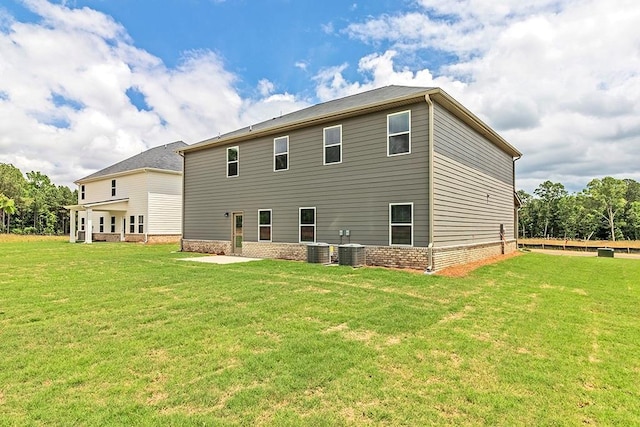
{"x": 124, "y": 334}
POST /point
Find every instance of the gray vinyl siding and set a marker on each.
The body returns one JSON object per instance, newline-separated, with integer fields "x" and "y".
{"x": 354, "y": 194}
{"x": 467, "y": 168}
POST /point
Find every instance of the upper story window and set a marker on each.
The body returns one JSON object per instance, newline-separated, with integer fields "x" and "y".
{"x": 281, "y": 153}
{"x": 332, "y": 137}
{"x": 233, "y": 159}
{"x": 113, "y": 187}
{"x": 82, "y": 192}
{"x": 401, "y": 224}
{"x": 264, "y": 225}
{"x": 399, "y": 133}
{"x": 307, "y": 225}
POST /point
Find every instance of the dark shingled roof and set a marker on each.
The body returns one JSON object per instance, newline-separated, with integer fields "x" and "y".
{"x": 162, "y": 157}
{"x": 361, "y": 103}
{"x": 375, "y": 96}
{"x": 387, "y": 93}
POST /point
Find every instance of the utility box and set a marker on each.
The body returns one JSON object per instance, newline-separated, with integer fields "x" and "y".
{"x": 318, "y": 253}
{"x": 605, "y": 252}
{"x": 351, "y": 254}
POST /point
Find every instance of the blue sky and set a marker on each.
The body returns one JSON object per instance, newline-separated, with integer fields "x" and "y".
{"x": 86, "y": 83}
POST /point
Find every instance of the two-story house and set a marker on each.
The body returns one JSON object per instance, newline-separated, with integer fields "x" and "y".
{"x": 406, "y": 171}
{"x": 136, "y": 200}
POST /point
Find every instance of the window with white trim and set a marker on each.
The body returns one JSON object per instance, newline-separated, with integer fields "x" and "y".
{"x": 140, "y": 224}
{"x": 233, "y": 160}
{"x": 82, "y": 224}
{"x": 281, "y": 153}
{"x": 399, "y": 133}
{"x": 82, "y": 192}
{"x": 113, "y": 224}
{"x": 307, "y": 225}
{"x": 113, "y": 187}
{"x": 264, "y": 225}
{"x": 332, "y": 137}
{"x": 132, "y": 224}
{"x": 102, "y": 224}
{"x": 401, "y": 224}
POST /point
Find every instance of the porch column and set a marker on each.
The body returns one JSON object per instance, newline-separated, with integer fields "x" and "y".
{"x": 72, "y": 226}
{"x": 89, "y": 231}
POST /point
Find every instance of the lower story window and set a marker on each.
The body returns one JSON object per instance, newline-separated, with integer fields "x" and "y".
{"x": 401, "y": 224}
{"x": 307, "y": 225}
{"x": 113, "y": 224}
{"x": 264, "y": 225}
{"x": 81, "y": 224}
{"x": 132, "y": 224}
{"x": 102, "y": 224}
{"x": 140, "y": 224}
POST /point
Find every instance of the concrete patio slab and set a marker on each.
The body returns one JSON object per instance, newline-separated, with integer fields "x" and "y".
{"x": 220, "y": 259}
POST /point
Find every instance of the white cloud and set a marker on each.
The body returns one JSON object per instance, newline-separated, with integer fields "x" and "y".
{"x": 265, "y": 87}
{"x": 255, "y": 111}
{"x": 301, "y": 65}
{"x": 558, "y": 78}
{"x": 328, "y": 28}
{"x": 64, "y": 108}
{"x": 377, "y": 70}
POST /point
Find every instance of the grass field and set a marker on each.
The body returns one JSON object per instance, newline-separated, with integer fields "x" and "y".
{"x": 124, "y": 334}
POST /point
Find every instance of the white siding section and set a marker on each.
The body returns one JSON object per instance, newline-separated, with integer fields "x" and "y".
{"x": 155, "y": 195}
{"x": 131, "y": 186}
{"x": 135, "y": 188}
{"x": 165, "y": 214}
{"x": 164, "y": 183}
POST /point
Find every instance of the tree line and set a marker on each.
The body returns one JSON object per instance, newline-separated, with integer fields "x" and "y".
{"x": 32, "y": 204}
{"x": 607, "y": 209}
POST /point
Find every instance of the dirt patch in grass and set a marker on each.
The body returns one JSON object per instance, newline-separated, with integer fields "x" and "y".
{"x": 459, "y": 270}
{"x": 464, "y": 269}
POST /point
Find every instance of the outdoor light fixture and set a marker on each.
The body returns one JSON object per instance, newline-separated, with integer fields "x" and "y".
{"x": 226, "y": 214}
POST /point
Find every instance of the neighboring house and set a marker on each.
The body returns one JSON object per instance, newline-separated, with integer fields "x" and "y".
{"x": 136, "y": 200}
{"x": 406, "y": 171}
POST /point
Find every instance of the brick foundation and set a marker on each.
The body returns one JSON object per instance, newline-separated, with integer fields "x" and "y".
{"x": 163, "y": 238}
{"x": 454, "y": 255}
{"x": 105, "y": 237}
{"x": 218, "y": 247}
{"x": 136, "y": 238}
{"x": 397, "y": 257}
{"x": 384, "y": 256}
{"x": 291, "y": 251}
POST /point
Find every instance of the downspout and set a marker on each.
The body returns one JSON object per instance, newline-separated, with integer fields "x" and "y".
{"x": 181, "y": 154}
{"x": 517, "y": 218}
{"x": 430, "y": 267}
{"x": 146, "y": 226}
